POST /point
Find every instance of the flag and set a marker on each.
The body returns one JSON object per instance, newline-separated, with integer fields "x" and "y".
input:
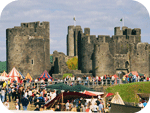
{"x": 121, "y": 19}
{"x": 74, "y": 19}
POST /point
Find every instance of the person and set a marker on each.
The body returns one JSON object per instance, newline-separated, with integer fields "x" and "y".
{"x": 6, "y": 104}
{"x": 98, "y": 101}
{"x": 124, "y": 79}
{"x": 53, "y": 95}
{"x": 6, "y": 92}
{"x": 90, "y": 106}
{"x": 30, "y": 95}
{"x": 100, "y": 108}
{"x": 67, "y": 105}
{"x": 57, "y": 108}
{"x": 9, "y": 93}
{"x": 109, "y": 105}
{"x": 37, "y": 103}
{"x": 41, "y": 108}
{"x": 140, "y": 104}
{"x": 25, "y": 103}
{"x": 130, "y": 79}
{"x": 134, "y": 78}
{"x": 25, "y": 80}
{"x": 145, "y": 103}
{"x": 17, "y": 101}
{"x": 92, "y": 101}
{"x": 16, "y": 107}
{"x": 83, "y": 108}
{"x": 2, "y": 94}
{"x": 37, "y": 108}
{"x": 95, "y": 108}
{"x": 74, "y": 109}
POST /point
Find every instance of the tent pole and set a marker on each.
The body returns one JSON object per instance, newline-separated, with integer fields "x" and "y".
{"x": 62, "y": 97}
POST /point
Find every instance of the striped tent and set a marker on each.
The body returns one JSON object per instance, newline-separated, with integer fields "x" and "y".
{"x": 45, "y": 75}
{"x": 14, "y": 75}
{"x": 28, "y": 77}
{"x": 22, "y": 75}
{"x": 4, "y": 74}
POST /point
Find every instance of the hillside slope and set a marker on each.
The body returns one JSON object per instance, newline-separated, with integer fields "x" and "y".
{"x": 128, "y": 91}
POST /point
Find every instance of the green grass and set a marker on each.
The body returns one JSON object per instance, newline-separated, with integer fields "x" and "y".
{"x": 66, "y": 74}
{"x": 3, "y": 66}
{"x": 128, "y": 91}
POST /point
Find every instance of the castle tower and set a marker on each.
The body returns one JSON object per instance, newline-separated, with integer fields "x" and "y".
{"x": 104, "y": 61}
{"x": 139, "y": 58}
{"x": 73, "y": 40}
{"x": 70, "y": 41}
{"x": 28, "y": 48}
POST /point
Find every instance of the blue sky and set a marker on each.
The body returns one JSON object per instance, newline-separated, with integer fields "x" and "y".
{"x": 99, "y": 15}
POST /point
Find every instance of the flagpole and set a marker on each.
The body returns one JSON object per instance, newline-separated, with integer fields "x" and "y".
{"x": 74, "y": 20}
{"x": 123, "y": 21}
{"x": 74, "y": 23}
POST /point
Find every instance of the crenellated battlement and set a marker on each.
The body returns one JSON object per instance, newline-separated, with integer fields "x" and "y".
{"x": 119, "y": 52}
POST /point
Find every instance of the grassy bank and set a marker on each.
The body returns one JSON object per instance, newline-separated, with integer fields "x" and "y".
{"x": 128, "y": 91}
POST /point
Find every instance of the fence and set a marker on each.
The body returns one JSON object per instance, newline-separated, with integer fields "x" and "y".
{"x": 87, "y": 83}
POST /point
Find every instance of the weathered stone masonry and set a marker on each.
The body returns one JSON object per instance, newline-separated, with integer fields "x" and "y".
{"x": 108, "y": 55}
{"x": 28, "y": 48}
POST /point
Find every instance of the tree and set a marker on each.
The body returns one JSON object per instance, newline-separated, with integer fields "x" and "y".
{"x": 72, "y": 63}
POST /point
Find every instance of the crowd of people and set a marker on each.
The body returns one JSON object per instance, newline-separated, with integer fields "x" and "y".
{"x": 22, "y": 97}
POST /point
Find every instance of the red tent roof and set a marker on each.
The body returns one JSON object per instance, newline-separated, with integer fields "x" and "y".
{"x": 109, "y": 94}
{"x": 89, "y": 93}
{"x": 133, "y": 73}
{"x": 45, "y": 75}
{"x": 14, "y": 75}
{"x": 115, "y": 76}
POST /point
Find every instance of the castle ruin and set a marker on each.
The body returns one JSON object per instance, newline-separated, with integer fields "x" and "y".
{"x": 123, "y": 52}
{"x": 28, "y": 48}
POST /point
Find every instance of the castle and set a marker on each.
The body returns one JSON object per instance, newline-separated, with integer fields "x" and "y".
{"x": 28, "y": 49}
{"x": 123, "y": 52}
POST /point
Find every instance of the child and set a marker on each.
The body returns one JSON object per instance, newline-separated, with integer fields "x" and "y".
{"x": 17, "y": 107}
{"x": 7, "y": 104}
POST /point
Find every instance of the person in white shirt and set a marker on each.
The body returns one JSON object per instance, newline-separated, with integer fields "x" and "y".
{"x": 49, "y": 80}
{"x": 92, "y": 101}
{"x": 140, "y": 104}
{"x": 25, "y": 94}
{"x": 17, "y": 107}
{"x": 30, "y": 95}
{"x": 7, "y": 104}
{"x": 67, "y": 106}
{"x": 95, "y": 108}
{"x": 72, "y": 78}
{"x": 113, "y": 79}
{"x": 52, "y": 95}
{"x": 36, "y": 80}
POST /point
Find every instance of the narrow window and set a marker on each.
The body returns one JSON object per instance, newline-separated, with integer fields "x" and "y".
{"x": 31, "y": 61}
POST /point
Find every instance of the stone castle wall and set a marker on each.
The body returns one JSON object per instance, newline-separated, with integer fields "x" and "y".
{"x": 28, "y": 48}
{"x": 108, "y": 55}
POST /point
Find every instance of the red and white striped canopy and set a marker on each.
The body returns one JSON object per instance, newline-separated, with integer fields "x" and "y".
{"x": 14, "y": 75}
{"x": 4, "y": 74}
